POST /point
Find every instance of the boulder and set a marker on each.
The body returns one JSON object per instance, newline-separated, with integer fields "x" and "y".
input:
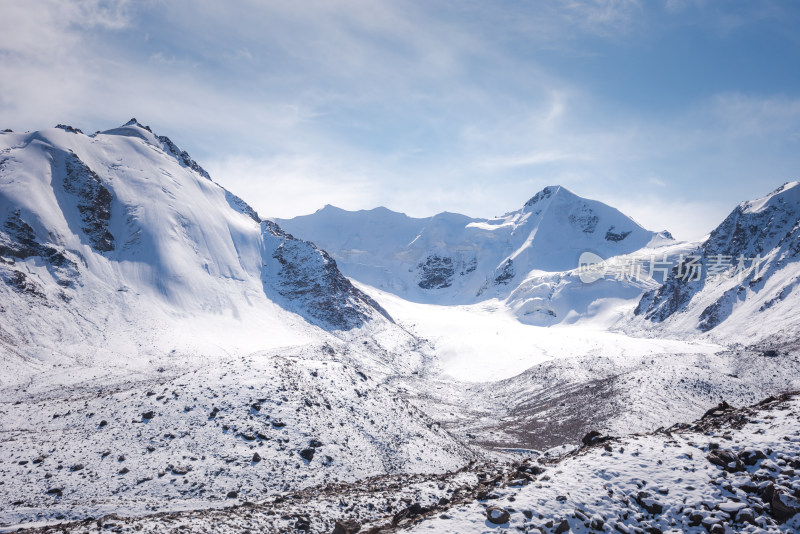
{"x": 652, "y": 506}
{"x": 594, "y": 437}
{"x": 497, "y": 515}
{"x": 726, "y": 460}
{"x": 349, "y": 526}
{"x": 784, "y": 505}
{"x": 751, "y": 456}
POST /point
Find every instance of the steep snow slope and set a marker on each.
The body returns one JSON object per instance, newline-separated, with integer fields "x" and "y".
{"x": 118, "y": 247}
{"x": 451, "y": 258}
{"x": 748, "y": 274}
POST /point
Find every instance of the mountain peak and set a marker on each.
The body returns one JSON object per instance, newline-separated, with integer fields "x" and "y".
{"x": 134, "y": 122}
{"x": 788, "y": 193}
{"x": 549, "y": 192}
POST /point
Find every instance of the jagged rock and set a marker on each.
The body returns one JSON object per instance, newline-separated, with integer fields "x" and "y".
{"x": 506, "y": 273}
{"x": 94, "y": 202}
{"x": 746, "y": 515}
{"x": 411, "y": 511}
{"x": 349, "y": 526}
{"x": 302, "y": 523}
{"x": 311, "y": 284}
{"x": 66, "y": 128}
{"x": 307, "y": 454}
{"x": 562, "y": 527}
{"x": 181, "y": 155}
{"x": 726, "y": 460}
{"x": 597, "y": 523}
{"x": 784, "y": 505}
{"x": 721, "y": 407}
{"x": 594, "y": 437}
{"x": 616, "y": 236}
{"x": 497, "y": 515}
{"x": 146, "y": 416}
{"x": 436, "y": 272}
{"x": 652, "y": 506}
{"x": 256, "y": 457}
{"x": 18, "y": 240}
{"x": 753, "y": 229}
{"x": 751, "y": 456}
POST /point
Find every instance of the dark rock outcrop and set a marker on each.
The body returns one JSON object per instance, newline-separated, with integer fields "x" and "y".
{"x": 436, "y": 272}
{"x": 94, "y": 202}
{"x": 311, "y": 283}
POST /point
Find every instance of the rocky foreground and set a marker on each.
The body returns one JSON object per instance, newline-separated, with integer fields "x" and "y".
{"x": 734, "y": 470}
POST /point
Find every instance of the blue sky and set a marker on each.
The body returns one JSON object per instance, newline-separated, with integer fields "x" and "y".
{"x": 671, "y": 111}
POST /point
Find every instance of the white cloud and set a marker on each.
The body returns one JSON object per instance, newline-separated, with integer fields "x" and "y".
{"x": 418, "y": 106}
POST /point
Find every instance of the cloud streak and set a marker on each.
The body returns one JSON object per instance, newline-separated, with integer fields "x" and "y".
{"x": 467, "y": 106}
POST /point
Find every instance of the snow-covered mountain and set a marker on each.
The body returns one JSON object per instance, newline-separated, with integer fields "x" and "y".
{"x": 119, "y": 243}
{"x": 164, "y": 348}
{"x": 153, "y": 330}
{"x": 742, "y": 280}
{"x": 451, "y": 258}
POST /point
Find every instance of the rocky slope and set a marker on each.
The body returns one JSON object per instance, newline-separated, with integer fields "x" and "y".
{"x": 733, "y": 470}
{"x": 741, "y": 281}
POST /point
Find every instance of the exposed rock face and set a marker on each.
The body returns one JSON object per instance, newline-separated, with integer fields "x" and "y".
{"x": 544, "y": 194}
{"x": 616, "y": 236}
{"x": 758, "y": 239}
{"x": 241, "y": 206}
{"x": 586, "y": 220}
{"x": 182, "y": 156}
{"x": 671, "y": 297}
{"x": 18, "y": 240}
{"x": 752, "y": 229}
{"x": 94, "y": 202}
{"x": 505, "y": 273}
{"x": 437, "y": 272}
{"x": 312, "y": 285}
{"x": 66, "y": 128}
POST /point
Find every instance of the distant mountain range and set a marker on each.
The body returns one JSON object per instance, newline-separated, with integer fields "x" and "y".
{"x": 451, "y": 258}
{"x": 529, "y": 258}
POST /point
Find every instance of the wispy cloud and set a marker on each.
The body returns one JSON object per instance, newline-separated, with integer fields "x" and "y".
{"x": 468, "y": 106}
